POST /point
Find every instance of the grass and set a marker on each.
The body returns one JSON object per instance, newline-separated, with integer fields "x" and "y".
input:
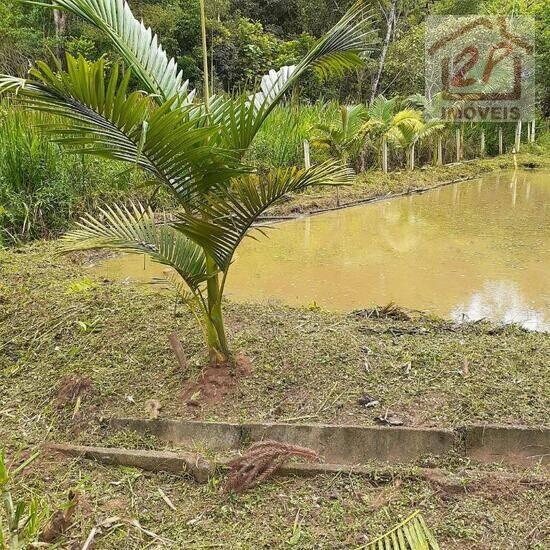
{"x": 301, "y": 358}
{"x": 56, "y": 320}
{"x": 42, "y": 189}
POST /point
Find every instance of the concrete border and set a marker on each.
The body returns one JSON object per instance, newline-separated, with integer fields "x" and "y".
{"x": 515, "y": 444}
{"x": 155, "y": 461}
{"x": 173, "y": 462}
{"x": 355, "y": 445}
{"x": 337, "y": 444}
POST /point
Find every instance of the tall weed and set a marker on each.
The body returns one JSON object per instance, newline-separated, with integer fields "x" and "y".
{"x": 42, "y": 188}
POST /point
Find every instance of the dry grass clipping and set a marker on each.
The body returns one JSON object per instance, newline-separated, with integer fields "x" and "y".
{"x": 260, "y": 461}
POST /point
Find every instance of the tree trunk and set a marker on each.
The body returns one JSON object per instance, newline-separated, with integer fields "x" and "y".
{"x": 411, "y": 157}
{"x": 439, "y": 150}
{"x": 500, "y": 142}
{"x": 384, "y": 52}
{"x": 218, "y": 350}
{"x": 458, "y": 152}
{"x": 60, "y": 25}
{"x": 533, "y": 131}
{"x": 482, "y": 144}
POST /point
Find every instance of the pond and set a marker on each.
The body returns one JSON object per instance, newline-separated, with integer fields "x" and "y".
{"x": 477, "y": 249}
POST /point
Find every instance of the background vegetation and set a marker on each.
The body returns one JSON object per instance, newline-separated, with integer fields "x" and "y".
{"x": 42, "y": 190}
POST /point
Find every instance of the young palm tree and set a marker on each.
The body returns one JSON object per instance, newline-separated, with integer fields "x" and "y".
{"x": 432, "y": 108}
{"x": 342, "y": 141}
{"x": 383, "y": 120}
{"x": 194, "y": 148}
{"x": 409, "y": 129}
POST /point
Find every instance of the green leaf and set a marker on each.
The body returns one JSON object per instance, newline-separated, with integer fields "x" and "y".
{"x": 133, "y": 230}
{"x": 103, "y": 119}
{"x": 227, "y": 218}
{"x": 137, "y": 44}
{"x": 411, "y": 534}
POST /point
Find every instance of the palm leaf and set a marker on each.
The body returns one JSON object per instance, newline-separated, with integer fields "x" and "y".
{"x": 108, "y": 121}
{"x": 227, "y": 219}
{"x": 340, "y": 49}
{"x": 135, "y": 42}
{"x": 133, "y": 230}
{"x": 411, "y": 534}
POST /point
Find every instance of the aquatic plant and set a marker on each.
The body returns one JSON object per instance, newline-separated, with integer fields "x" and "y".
{"x": 193, "y": 148}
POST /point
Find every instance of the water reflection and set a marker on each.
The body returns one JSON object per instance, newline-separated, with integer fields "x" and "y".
{"x": 480, "y": 248}
{"x": 500, "y": 300}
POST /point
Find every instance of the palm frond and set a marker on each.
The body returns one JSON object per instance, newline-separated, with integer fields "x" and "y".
{"x": 411, "y": 534}
{"x": 137, "y": 44}
{"x": 108, "y": 121}
{"x": 133, "y": 230}
{"x": 382, "y": 109}
{"x": 224, "y": 223}
{"x": 339, "y": 50}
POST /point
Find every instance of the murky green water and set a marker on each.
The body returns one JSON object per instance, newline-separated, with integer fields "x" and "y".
{"x": 471, "y": 250}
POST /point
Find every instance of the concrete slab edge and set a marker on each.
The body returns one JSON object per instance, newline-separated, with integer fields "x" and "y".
{"x": 348, "y": 444}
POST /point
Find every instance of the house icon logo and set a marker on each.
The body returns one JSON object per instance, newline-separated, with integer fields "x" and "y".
{"x": 482, "y": 67}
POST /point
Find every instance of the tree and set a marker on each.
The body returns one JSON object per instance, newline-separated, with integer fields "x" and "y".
{"x": 383, "y": 124}
{"x": 408, "y": 129}
{"x": 344, "y": 140}
{"x": 195, "y": 149}
{"x": 391, "y": 22}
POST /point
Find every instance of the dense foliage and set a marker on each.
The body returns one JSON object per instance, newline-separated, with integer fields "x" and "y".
{"x": 41, "y": 190}
{"x": 247, "y": 37}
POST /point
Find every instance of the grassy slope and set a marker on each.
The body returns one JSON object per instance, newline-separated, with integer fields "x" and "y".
{"x": 373, "y": 183}
{"x": 307, "y": 363}
{"x": 304, "y": 362}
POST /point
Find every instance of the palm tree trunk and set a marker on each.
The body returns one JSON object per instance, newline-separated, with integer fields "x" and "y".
{"x": 218, "y": 350}
{"x": 518, "y": 136}
{"x": 411, "y": 157}
{"x": 500, "y": 141}
{"x": 439, "y": 150}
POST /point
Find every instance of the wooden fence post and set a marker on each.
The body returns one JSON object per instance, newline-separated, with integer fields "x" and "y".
{"x": 307, "y": 160}
{"x": 518, "y": 136}
{"x": 384, "y": 155}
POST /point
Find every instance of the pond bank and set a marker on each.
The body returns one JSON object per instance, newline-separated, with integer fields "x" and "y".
{"x": 298, "y": 363}
{"x": 58, "y": 324}
{"x": 375, "y": 185}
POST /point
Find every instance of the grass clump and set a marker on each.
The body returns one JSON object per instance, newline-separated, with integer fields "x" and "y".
{"x": 42, "y": 190}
